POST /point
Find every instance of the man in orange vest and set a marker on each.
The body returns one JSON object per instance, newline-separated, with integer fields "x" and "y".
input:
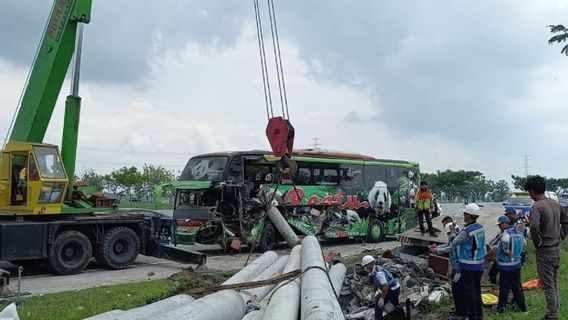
{"x": 423, "y": 201}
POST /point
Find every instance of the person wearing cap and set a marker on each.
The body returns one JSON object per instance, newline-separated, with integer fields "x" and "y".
{"x": 387, "y": 288}
{"x": 452, "y": 230}
{"x": 515, "y": 223}
{"x": 423, "y": 201}
{"x": 519, "y": 226}
{"x": 508, "y": 258}
{"x": 470, "y": 243}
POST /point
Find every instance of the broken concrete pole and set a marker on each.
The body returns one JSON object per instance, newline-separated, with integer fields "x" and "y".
{"x": 254, "y": 315}
{"x": 337, "y": 275}
{"x": 285, "y": 301}
{"x": 318, "y": 299}
{"x": 254, "y": 268}
{"x": 221, "y": 305}
{"x": 283, "y": 227}
{"x": 257, "y": 294}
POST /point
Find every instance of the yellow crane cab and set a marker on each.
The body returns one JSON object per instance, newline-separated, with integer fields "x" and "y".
{"x": 33, "y": 179}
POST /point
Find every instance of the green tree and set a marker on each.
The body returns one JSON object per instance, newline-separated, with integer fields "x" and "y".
{"x": 500, "y": 191}
{"x": 560, "y": 37}
{"x": 127, "y": 179}
{"x": 519, "y": 181}
{"x": 154, "y": 176}
{"x": 92, "y": 178}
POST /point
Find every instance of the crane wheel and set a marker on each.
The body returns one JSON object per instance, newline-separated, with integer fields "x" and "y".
{"x": 70, "y": 252}
{"x": 118, "y": 248}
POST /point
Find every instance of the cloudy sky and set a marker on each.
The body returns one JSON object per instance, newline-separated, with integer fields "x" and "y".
{"x": 450, "y": 84}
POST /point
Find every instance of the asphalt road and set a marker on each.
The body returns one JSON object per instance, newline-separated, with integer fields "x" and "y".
{"x": 147, "y": 268}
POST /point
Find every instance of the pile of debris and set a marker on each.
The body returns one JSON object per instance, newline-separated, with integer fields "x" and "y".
{"x": 418, "y": 283}
{"x": 298, "y": 285}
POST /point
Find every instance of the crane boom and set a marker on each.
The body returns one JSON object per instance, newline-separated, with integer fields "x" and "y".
{"x": 49, "y": 69}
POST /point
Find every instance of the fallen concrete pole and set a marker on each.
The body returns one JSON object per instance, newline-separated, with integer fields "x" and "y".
{"x": 283, "y": 227}
{"x": 337, "y": 275}
{"x": 318, "y": 300}
{"x": 257, "y": 294}
{"x": 254, "y": 268}
{"x": 221, "y": 305}
{"x": 285, "y": 301}
{"x": 147, "y": 311}
{"x": 254, "y": 315}
{"x": 110, "y": 315}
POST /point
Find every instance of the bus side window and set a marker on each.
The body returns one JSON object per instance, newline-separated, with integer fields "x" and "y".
{"x": 330, "y": 177}
{"x": 304, "y": 176}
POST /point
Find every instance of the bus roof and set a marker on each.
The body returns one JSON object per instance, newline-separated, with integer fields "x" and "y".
{"x": 314, "y": 154}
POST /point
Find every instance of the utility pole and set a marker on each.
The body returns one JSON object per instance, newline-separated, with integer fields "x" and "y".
{"x": 316, "y": 144}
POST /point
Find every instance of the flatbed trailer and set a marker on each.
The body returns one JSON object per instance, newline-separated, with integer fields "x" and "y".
{"x": 67, "y": 243}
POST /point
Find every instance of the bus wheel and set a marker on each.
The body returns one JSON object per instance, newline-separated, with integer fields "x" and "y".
{"x": 375, "y": 231}
{"x": 118, "y": 248}
{"x": 70, "y": 252}
{"x": 267, "y": 238}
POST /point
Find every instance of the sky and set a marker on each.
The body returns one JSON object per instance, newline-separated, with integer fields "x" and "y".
{"x": 470, "y": 85}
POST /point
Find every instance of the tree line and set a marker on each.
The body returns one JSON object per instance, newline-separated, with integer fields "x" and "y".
{"x": 129, "y": 182}
{"x": 469, "y": 186}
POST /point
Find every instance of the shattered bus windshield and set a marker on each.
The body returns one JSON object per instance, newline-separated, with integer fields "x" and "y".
{"x": 204, "y": 169}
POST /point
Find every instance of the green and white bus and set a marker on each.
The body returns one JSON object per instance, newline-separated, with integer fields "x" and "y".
{"x": 332, "y": 195}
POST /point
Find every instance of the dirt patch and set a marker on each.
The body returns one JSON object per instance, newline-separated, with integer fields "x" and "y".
{"x": 189, "y": 279}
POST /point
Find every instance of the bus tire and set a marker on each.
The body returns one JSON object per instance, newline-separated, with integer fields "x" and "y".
{"x": 70, "y": 253}
{"x": 267, "y": 237}
{"x": 375, "y": 231}
{"x": 118, "y": 248}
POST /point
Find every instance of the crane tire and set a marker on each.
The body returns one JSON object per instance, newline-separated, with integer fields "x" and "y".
{"x": 118, "y": 248}
{"x": 70, "y": 252}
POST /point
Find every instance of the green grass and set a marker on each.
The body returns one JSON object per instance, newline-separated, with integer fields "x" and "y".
{"x": 80, "y": 304}
{"x": 146, "y": 205}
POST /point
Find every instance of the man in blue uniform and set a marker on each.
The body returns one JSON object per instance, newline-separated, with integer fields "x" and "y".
{"x": 508, "y": 258}
{"x": 452, "y": 231}
{"x": 386, "y": 287}
{"x": 470, "y": 246}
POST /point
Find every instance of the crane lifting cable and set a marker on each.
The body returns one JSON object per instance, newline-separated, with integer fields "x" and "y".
{"x": 279, "y": 131}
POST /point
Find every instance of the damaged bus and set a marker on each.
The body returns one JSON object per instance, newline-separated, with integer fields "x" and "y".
{"x": 332, "y": 195}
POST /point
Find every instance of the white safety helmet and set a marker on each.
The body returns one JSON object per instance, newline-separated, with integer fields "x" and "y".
{"x": 366, "y": 260}
{"x": 472, "y": 209}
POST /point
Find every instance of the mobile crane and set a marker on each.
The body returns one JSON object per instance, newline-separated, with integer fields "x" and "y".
{"x": 43, "y": 219}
